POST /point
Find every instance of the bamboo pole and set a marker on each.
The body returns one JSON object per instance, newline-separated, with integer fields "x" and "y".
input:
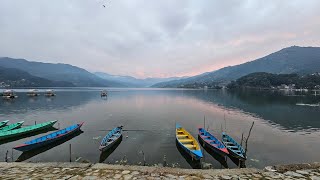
{"x": 248, "y": 138}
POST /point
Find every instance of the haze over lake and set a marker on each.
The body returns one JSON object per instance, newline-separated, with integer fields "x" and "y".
{"x": 284, "y": 132}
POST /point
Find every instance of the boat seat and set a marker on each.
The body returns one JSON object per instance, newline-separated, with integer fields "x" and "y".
{"x": 180, "y": 131}
{"x": 180, "y": 135}
{"x": 186, "y": 140}
{"x": 189, "y": 146}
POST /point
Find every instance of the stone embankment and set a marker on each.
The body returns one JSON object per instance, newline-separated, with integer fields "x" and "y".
{"x": 73, "y": 171}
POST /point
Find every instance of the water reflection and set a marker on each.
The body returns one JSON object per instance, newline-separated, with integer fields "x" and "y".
{"x": 152, "y": 115}
{"x": 272, "y": 106}
{"x": 195, "y": 164}
{"x": 215, "y": 155}
{"x": 105, "y": 154}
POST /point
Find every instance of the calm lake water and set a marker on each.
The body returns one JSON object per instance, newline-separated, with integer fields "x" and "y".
{"x": 284, "y": 132}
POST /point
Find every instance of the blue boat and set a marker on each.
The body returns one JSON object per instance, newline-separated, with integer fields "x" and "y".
{"x": 47, "y": 139}
{"x": 212, "y": 142}
{"x": 188, "y": 143}
{"x": 111, "y": 138}
{"x": 235, "y": 149}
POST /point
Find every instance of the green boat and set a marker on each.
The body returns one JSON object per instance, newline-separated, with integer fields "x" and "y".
{"x": 11, "y": 126}
{"x": 3, "y": 123}
{"x": 26, "y": 130}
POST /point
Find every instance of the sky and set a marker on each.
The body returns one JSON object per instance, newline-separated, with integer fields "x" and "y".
{"x": 152, "y": 38}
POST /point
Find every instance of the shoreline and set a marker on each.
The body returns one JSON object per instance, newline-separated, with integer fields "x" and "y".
{"x": 106, "y": 171}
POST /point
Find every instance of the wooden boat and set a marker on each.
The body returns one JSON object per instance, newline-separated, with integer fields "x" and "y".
{"x": 50, "y": 138}
{"x": 111, "y": 138}
{"x": 188, "y": 143}
{"x": 3, "y": 123}
{"x": 234, "y": 148}
{"x": 104, "y": 93}
{"x": 49, "y": 93}
{"x": 212, "y": 142}
{"x": 33, "y": 93}
{"x": 11, "y": 126}
{"x": 26, "y": 130}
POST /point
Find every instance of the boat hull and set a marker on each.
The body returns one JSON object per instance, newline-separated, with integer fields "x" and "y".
{"x": 214, "y": 149}
{"x": 11, "y": 127}
{"x": 188, "y": 151}
{"x": 188, "y": 140}
{"x": 3, "y": 123}
{"x": 231, "y": 143}
{"x": 114, "y": 135}
{"x": 30, "y": 147}
{"x": 8, "y": 135}
{"x": 105, "y": 148}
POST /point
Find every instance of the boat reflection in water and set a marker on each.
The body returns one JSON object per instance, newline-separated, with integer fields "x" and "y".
{"x": 215, "y": 155}
{"x": 238, "y": 162}
{"x": 105, "y": 154}
{"x": 195, "y": 164}
{"x": 29, "y": 154}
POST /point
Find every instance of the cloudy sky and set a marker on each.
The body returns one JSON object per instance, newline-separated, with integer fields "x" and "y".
{"x": 152, "y": 38}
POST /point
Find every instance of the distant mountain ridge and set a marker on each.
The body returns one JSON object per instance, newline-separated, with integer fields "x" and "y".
{"x": 135, "y": 82}
{"x": 58, "y": 72}
{"x": 10, "y": 77}
{"x": 294, "y": 59}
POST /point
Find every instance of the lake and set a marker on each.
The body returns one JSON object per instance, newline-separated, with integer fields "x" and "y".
{"x": 286, "y": 129}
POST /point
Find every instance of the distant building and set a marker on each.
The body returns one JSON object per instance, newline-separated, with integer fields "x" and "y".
{"x": 284, "y": 86}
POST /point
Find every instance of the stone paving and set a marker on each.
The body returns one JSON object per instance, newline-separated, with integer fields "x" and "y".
{"x": 74, "y": 171}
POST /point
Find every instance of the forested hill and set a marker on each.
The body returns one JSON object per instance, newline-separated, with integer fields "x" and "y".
{"x": 10, "y": 77}
{"x": 268, "y": 80}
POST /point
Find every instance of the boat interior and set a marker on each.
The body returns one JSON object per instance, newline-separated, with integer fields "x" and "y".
{"x": 187, "y": 139}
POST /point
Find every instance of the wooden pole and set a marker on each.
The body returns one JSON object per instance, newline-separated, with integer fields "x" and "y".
{"x": 6, "y": 158}
{"x": 70, "y": 152}
{"x": 204, "y": 122}
{"x": 248, "y": 138}
{"x": 225, "y": 122}
{"x": 241, "y": 139}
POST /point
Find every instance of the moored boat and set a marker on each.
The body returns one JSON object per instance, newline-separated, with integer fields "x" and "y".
{"x": 212, "y": 142}
{"x": 11, "y": 126}
{"x": 33, "y": 93}
{"x": 234, "y": 148}
{"x": 49, "y": 93}
{"x": 104, "y": 93}
{"x": 9, "y": 94}
{"x": 3, "y": 123}
{"x": 26, "y": 130}
{"x": 188, "y": 143}
{"x": 111, "y": 138}
{"x": 50, "y": 138}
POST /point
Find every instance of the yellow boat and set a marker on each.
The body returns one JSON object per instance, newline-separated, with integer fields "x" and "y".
{"x": 188, "y": 143}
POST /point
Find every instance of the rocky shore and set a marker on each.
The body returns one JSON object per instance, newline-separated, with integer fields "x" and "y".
{"x": 73, "y": 171}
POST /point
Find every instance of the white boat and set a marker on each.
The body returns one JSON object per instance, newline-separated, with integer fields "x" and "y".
{"x": 33, "y": 93}
{"x": 8, "y": 94}
{"x": 49, "y": 93}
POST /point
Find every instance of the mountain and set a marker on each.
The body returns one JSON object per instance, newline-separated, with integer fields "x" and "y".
{"x": 295, "y": 59}
{"x": 134, "y": 82}
{"x": 10, "y": 77}
{"x": 58, "y": 72}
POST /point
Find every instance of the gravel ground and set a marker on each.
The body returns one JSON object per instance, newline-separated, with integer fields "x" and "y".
{"x": 74, "y": 171}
